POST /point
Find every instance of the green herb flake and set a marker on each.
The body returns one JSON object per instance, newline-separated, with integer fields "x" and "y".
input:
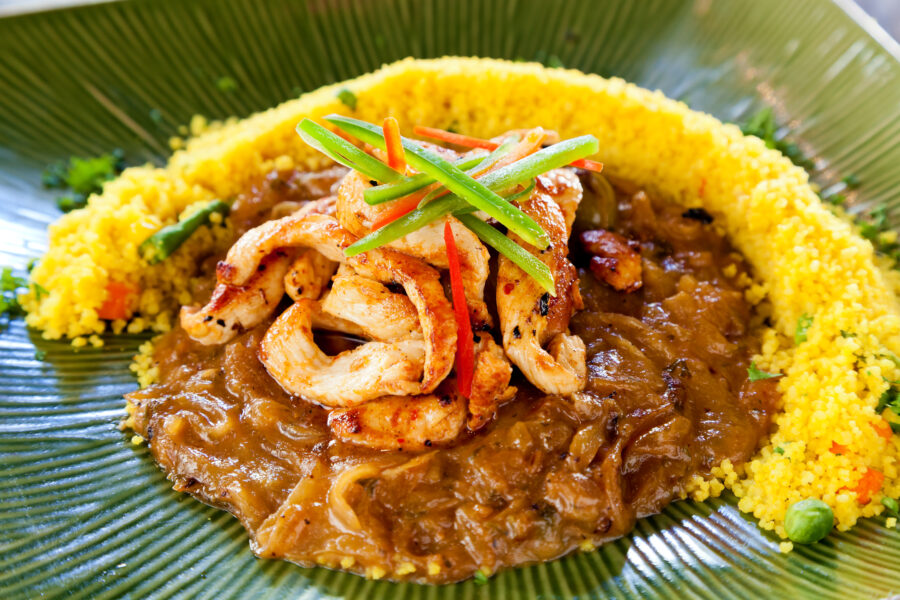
{"x": 891, "y": 505}
{"x": 554, "y": 62}
{"x": 83, "y": 177}
{"x": 156, "y": 115}
{"x": 39, "y": 290}
{"x": 32, "y": 263}
{"x": 480, "y": 577}
{"x": 851, "y": 181}
{"x": 226, "y": 84}
{"x": 40, "y": 355}
{"x": 803, "y": 324}
{"x": 754, "y": 373}
{"x": 347, "y": 98}
{"x": 778, "y": 450}
{"x": 762, "y": 125}
{"x": 847, "y": 334}
{"x": 9, "y": 290}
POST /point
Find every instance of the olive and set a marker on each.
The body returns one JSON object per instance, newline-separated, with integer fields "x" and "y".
{"x": 808, "y": 521}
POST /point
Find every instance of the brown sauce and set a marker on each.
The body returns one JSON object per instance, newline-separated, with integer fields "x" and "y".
{"x": 667, "y": 397}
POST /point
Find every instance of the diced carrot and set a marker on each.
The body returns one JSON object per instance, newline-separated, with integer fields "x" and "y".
{"x": 883, "y": 429}
{"x": 870, "y": 483}
{"x": 465, "y": 346}
{"x": 119, "y": 298}
{"x": 590, "y": 165}
{"x": 455, "y": 138}
{"x": 396, "y": 157}
{"x": 838, "y": 448}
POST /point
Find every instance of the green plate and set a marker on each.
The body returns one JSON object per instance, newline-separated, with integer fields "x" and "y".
{"x": 83, "y": 513}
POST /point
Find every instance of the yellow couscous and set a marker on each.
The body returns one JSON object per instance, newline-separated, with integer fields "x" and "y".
{"x": 808, "y": 264}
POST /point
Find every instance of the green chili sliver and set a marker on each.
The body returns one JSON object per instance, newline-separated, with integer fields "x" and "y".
{"x": 517, "y": 173}
{"x": 468, "y": 189}
{"x": 341, "y": 151}
{"x": 485, "y": 163}
{"x": 167, "y": 240}
{"x": 407, "y": 185}
{"x": 526, "y": 261}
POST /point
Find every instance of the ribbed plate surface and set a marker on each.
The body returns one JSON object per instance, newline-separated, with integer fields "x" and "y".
{"x": 84, "y": 513}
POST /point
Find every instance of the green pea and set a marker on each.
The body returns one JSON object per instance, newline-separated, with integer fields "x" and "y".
{"x": 808, "y": 521}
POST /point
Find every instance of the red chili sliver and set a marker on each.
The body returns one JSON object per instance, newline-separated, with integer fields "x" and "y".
{"x": 455, "y": 138}
{"x": 396, "y": 157}
{"x": 465, "y": 349}
{"x": 590, "y": 165}
{"x": 118, "y": 301}
{"x": 398, "y": 208}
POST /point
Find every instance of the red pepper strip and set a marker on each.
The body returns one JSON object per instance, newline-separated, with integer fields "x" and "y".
{"x": 455, "y": 138}
{"x": 118, "y": 301}
{"x": 868, "y": 484}
{"x": 465, "y": 349}
{"x": 590, "y": 165}
{"x": 396, "y": 157}
{"x": 473, "y": 142}
{"x": 883, "y": 429}
{"x": 838, "y": 448}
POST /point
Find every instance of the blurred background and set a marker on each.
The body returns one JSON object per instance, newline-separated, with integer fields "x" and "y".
{"x": 885, "y": 12}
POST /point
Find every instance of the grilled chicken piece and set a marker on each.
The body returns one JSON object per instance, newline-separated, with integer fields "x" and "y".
{"x": 529, "y": 317}
{"x": 369, "y": 371}
{"x": 616, "y": 260}
{"x": 490, "y": 383}
{"x": 399, "y": 422}
{"x": 381, "y": 314}
{"x": 323, "y": 233}
{"x": 309, "y": 275}
{"x": 426, "y": 243}
{"x": 233, "y": 309}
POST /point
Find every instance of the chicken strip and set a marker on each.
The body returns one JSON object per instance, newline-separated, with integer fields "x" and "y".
{"x": 411, "y": 424}
{"x": 426, "y": 243}
{"x": 490, "y": 383}
{"x": 531, "y": 318}
{"x": 381, "y": 314}
{"x": 309, "y": 275}
{"x": 233, "y": 309}
{"x": 364, "y": 373}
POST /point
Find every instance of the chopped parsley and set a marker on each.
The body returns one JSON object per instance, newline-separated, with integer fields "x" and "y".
{"x": 847, "y": 334}
{"x": 10, "y": 286}
{"x": 754, "y": 373}
{"x": 480, "y": 577}
{"x": 851, "y": 181}
{"x": 778, "y": 450}
{"x": 803, "y": 324}
{"x": 39, "y": 290}
{"x": 891, "y": 505}
{"x": 762, "y": 125}
{"x": 40, "y": 355}
{"x": 82, "y": 177}
{"x": 347, "y": 98}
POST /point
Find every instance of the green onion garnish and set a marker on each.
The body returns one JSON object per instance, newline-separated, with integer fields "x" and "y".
{"x": 517, "y": 173}
{"x": 407, "y": 185}
{"x": 523, "y": 193}
{"x": 472, "y": 191}
{"x": 341, "y": 151}
{"x": 167, "y": 240}
{"x": 511, "y": 250}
